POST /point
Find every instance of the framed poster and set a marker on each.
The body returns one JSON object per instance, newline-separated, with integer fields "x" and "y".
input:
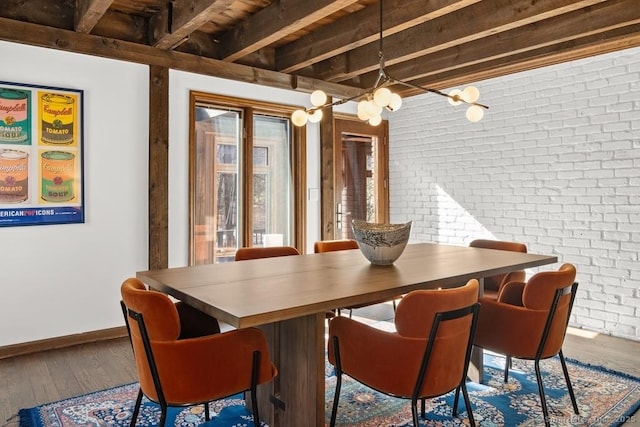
{"x": 41, "y": 155}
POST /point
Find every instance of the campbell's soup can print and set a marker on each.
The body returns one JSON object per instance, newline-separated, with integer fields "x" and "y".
{"x": 14, "y": 176}
{"x": 58, "y": 118}
{"x": 15, "y": 117}
{"x": 58, "y": 174}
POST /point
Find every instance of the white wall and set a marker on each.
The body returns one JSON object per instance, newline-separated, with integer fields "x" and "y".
{"x": 60, "y": 280}
{"x": 64, "y": 279}
{"x": 555, "y": 164}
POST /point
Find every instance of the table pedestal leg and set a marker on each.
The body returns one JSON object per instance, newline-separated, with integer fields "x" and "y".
{"x": 476, "y": 365}
{"x": 295, "y": 397}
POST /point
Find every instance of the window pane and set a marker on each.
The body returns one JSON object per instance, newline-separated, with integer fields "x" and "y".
{"x": 217, "y": 142}
{"x": 272, "y": 182}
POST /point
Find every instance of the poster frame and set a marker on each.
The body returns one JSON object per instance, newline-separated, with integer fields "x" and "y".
{"x": 54, "y": 179}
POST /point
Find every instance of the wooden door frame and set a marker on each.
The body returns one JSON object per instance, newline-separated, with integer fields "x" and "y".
{"x": 330, "y": 153}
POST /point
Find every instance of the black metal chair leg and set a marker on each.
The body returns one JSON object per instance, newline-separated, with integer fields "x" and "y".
{"x": 336, "y": 398}
{"x": 543, "y": 400}
{"x": 455, "y": 401}
{"x": 206, "y": 411}
{"x": 254, "y": 407}
{"x": 414, "y": 413}
{"x": 423, "y": 413}
{"x": 136, "y": 409}
{"x": 163, "y": 415}
{"x": 569, "y": 386}
{"x": 507, "y": 365}
{"x": 254, "y": 388}
{"x": 467, "y": 403}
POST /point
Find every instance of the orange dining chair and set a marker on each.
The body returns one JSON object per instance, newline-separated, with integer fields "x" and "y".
{"x": 334, "y": 245}
{"x": 493, "y": 284}
{"x": 255, "y": 252}
{"x": 175, "y": 371}
{"x": 529, "y": 321}
{"x": 341, "y": 245}
{"x": 427, "y": 356}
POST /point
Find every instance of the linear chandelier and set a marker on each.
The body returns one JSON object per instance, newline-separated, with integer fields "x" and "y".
{"x": 378, "y": 98}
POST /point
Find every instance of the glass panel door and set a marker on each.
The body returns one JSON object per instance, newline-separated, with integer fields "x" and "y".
{"x": 215, "y": 216}
{"x": 360, "y": 175}
{"x": 272, "y": 182}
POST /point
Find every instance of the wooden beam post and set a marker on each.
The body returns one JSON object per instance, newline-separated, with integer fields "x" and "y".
{"x": 158, "y": 167}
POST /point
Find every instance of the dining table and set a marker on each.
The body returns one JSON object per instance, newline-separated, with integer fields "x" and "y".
{"x": 288, "y": 297}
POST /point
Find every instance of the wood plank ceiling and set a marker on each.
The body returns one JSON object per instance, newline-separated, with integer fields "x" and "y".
{"x": 330, "y": 44}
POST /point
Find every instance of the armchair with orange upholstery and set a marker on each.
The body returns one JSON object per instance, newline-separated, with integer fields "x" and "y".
{"x": 255, "y": 252}
{"x": 175, "y": 371}
{"x": 428, "y": 356}
{"x": 334, "y": 245}
{"x": 493, "y": 284}
{"x": 529, "y": 321}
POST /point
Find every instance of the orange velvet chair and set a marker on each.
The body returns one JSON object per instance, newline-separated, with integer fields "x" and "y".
{"x": 334, "y": 245}
{"x": 255, "y": 252}
{"x": 529, "y": 321}
{"x": 342, "y": 245}
{"x": 493, "y": 284}
{"x": 428, "y": 355}
{"x": 189, "y": 371}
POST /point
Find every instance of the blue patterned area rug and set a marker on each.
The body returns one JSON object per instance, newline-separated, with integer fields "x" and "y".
{"x": 605, "y": 398}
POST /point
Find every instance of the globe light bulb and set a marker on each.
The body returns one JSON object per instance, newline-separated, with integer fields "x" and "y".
{"x": 363, "y": 110}
{"x": 382, "y": 96}
{"x": 299, "y": 118}
{"x": 475, "y": 113}
{"x": 318, "y": 98}
{"x": 455, "y": 97}
{"x": 373, "y": 108}
{"x": 395, "y": 102}
{"x": 316, "y": 116}
{"x": 470, "y": 94}
{"x": 375, "y": 120}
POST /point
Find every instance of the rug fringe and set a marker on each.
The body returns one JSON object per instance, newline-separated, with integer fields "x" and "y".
{"x": 603, "y": 369}
{"x": 25, "y": 418}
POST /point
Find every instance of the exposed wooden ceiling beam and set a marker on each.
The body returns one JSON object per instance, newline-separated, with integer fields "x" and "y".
{"x": 274, "y": 22}
{"x": 44, "y": 36}
{"x": 172, "y": 25}
{"x": 88, "y": 13}
{"x": 360, "y": 28}
{"x": 596, "y": 44}
{"x": 471, "y": 23}
{"x": 600, "y": 18}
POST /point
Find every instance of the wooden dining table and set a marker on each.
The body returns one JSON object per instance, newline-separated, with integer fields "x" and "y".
{"x": 287, "y": 297}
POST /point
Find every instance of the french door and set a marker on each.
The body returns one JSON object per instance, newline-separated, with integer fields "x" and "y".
{"x": 360, "y": 174}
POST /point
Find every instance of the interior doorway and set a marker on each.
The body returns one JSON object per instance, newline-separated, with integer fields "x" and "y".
{"x": 360, "y": 174}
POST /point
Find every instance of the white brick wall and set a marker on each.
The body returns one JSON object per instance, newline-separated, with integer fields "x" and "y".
{"x": 555, "y": 163}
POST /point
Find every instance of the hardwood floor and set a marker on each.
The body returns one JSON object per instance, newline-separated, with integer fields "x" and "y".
{"x": 30, "y": 380}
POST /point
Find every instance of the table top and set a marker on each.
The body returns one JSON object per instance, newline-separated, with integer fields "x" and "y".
{"x": 261, "y": 291}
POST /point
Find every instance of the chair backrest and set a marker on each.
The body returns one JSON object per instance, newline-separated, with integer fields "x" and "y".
{"x": 334, "y": 245}
{"x": 494, "y": 282}
{"x": 256, "y": 252}
{"x": 447, "y": 318}
{"x": 160, "y": 313}
{"x": 552, "y": 292}
{"x": 149, "y": 316}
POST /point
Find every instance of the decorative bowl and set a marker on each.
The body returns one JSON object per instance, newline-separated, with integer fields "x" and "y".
{"x": 381, "y": 244}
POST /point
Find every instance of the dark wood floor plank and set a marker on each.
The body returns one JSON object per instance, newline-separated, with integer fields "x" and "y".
{"x": 40, "y": 378}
